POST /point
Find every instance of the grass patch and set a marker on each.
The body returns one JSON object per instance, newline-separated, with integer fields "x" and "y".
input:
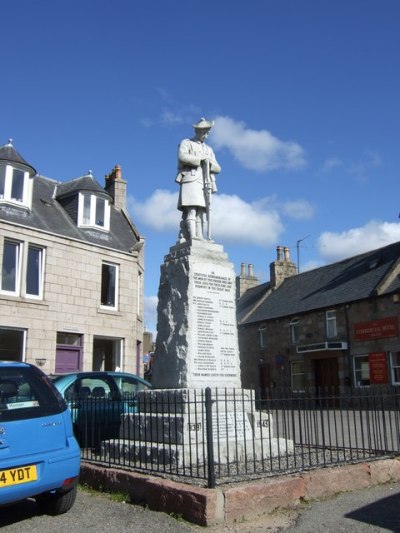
{"x": 122, "y": 497}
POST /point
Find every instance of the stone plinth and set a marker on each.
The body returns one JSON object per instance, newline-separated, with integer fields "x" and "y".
{"x": 197, "y": 342}
{"x": 170, "y": 427}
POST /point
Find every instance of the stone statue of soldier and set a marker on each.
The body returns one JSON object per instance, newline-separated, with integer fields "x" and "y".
{"x": 197, "y": 167}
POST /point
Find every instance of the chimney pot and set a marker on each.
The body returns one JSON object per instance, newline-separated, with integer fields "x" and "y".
{"x": 118, "y": 172}
{"x": 287, "y": 255}
{"x": 251, "y": 271}
{"x": 279, "y": 252}
{"x": 243, "y": 269}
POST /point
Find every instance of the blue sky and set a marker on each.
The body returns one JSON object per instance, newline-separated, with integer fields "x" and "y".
{"x": 304, "y": 94}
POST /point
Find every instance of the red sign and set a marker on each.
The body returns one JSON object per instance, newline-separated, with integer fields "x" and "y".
{"x": 378, "y": 374}
{"x": 376, "y": 329}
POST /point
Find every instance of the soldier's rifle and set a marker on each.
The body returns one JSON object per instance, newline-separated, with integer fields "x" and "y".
{"x": 207, "y": 193}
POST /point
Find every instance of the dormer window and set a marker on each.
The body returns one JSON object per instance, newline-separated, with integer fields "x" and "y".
{"x": 14, "y": 185}
{"x": 93, "y": 211}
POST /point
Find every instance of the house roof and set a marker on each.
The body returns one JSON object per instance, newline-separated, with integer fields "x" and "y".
{"x": 9, "y": 153}
{"x": 47, "y": 214}
{"x": 85, "y": 183}
{"x": 355, "y": 278}
{"x": 250, "y": 300}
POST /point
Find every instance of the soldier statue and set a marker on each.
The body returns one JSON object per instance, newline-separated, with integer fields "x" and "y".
{"x": 197, "y": 167}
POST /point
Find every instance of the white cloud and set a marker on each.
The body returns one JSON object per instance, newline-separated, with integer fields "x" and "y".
{"x": 358, "y": 169}
{"x": 331, "y": 163}
{"x": 256, "y": 150}
{"x": 298, "y": 209}
{"x": 310, "y": 265}
{"x": 232, "y": 219}
{"x": 169, "y": 118}
{"x": 235, "y": 220}
{"x": 158, "y": 212}
{"x": 375, "y": 234}
{"x": 361, "y": 168}
{"x": 147, "y": 122}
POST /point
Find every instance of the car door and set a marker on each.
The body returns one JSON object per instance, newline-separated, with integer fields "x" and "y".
{"x": 128, "y": 387}
{"x": 95, "y": 408}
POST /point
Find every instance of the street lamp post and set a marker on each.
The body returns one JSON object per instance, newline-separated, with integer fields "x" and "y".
{"x": 298, "y": 252}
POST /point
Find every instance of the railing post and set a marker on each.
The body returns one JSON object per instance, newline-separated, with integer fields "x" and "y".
{"x": 210, "y": 443}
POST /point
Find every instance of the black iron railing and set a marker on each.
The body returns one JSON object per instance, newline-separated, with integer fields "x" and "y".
{"x": 224, "y": 435}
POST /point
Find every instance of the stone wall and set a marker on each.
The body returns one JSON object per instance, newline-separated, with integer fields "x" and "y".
{"x": 312, "y": 329}
{"x": 71, "y": 302}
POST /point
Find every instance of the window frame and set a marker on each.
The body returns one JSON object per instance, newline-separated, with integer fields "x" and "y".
{"x": 40, "y": 273}
{"x": 7, "y": 176}
{"x": 22, "y": 269}
{"x": 331, "y": 323}
{"x": 294, "y": 325}
{"x": 262, "y": 332}
{"x": 85, "y": 206}
{"x": 17, "y": 267}
{"x": 116, "y": 286}
{"x": 297, "y": 374}
{"x": 358, "y": 382}
{"x": 393, "y": 367}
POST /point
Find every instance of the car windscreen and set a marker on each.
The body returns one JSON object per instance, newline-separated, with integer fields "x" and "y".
{"x": 25, "y": 392}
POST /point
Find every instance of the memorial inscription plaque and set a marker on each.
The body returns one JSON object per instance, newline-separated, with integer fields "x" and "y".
{"x": 197, "y": 341}
{"x": 214, "y": 322}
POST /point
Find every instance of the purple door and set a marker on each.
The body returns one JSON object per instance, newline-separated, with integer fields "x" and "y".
{"x": 68, "y": 359}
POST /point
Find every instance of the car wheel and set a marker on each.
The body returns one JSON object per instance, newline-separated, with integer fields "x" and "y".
{"x": 55, "y": 504}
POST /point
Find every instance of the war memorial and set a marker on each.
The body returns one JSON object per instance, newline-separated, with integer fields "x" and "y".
{"x": 197, "y": 410}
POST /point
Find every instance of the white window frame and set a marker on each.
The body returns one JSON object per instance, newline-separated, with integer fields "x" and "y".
{"x": 296, "y": 374}
{"x": 116, "y": 288}
{"x": 91, "y": 222}
{"x": 393, "y": 367}
{"x": 18, "y": 267}
{"x": 331, "y": 324}
{"x": 263, "y": 335}
{"x": 6, "y": 196}
{"x": 361, "y": 373}
{"x": 294, "y": 329}
{"x": 21, "y": 269}
{"x": 42, "y": 251}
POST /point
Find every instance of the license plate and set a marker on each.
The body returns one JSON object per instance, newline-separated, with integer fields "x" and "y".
{"x": 15, "y": 476}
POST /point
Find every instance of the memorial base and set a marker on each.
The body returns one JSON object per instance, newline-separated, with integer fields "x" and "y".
{"x": 178, "y": 428}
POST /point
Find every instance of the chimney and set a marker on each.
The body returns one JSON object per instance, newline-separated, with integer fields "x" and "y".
{"x": 116, "y": 187}
{"x": 282, "y": 268}
{"x": 246, "y": 280}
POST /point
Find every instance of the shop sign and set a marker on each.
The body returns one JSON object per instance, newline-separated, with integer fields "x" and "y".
{"x": 378, "y": 373}
{"x": 376, "y": 329}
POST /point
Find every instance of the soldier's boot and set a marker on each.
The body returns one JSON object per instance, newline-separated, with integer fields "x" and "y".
{"x": 199, "y": 229}
{"x": 191, "y": 226}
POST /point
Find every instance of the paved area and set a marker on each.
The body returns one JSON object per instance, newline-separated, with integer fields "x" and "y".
{"x": 371, "y": 510}
{"x": 92, "y": 512}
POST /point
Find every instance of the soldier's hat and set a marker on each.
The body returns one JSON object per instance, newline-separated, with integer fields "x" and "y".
{"x": 203, "y": 124}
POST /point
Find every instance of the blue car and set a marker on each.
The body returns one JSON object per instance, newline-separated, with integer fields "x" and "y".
{"x": 39, "y": 455}
{"x": 97, "y": 400}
